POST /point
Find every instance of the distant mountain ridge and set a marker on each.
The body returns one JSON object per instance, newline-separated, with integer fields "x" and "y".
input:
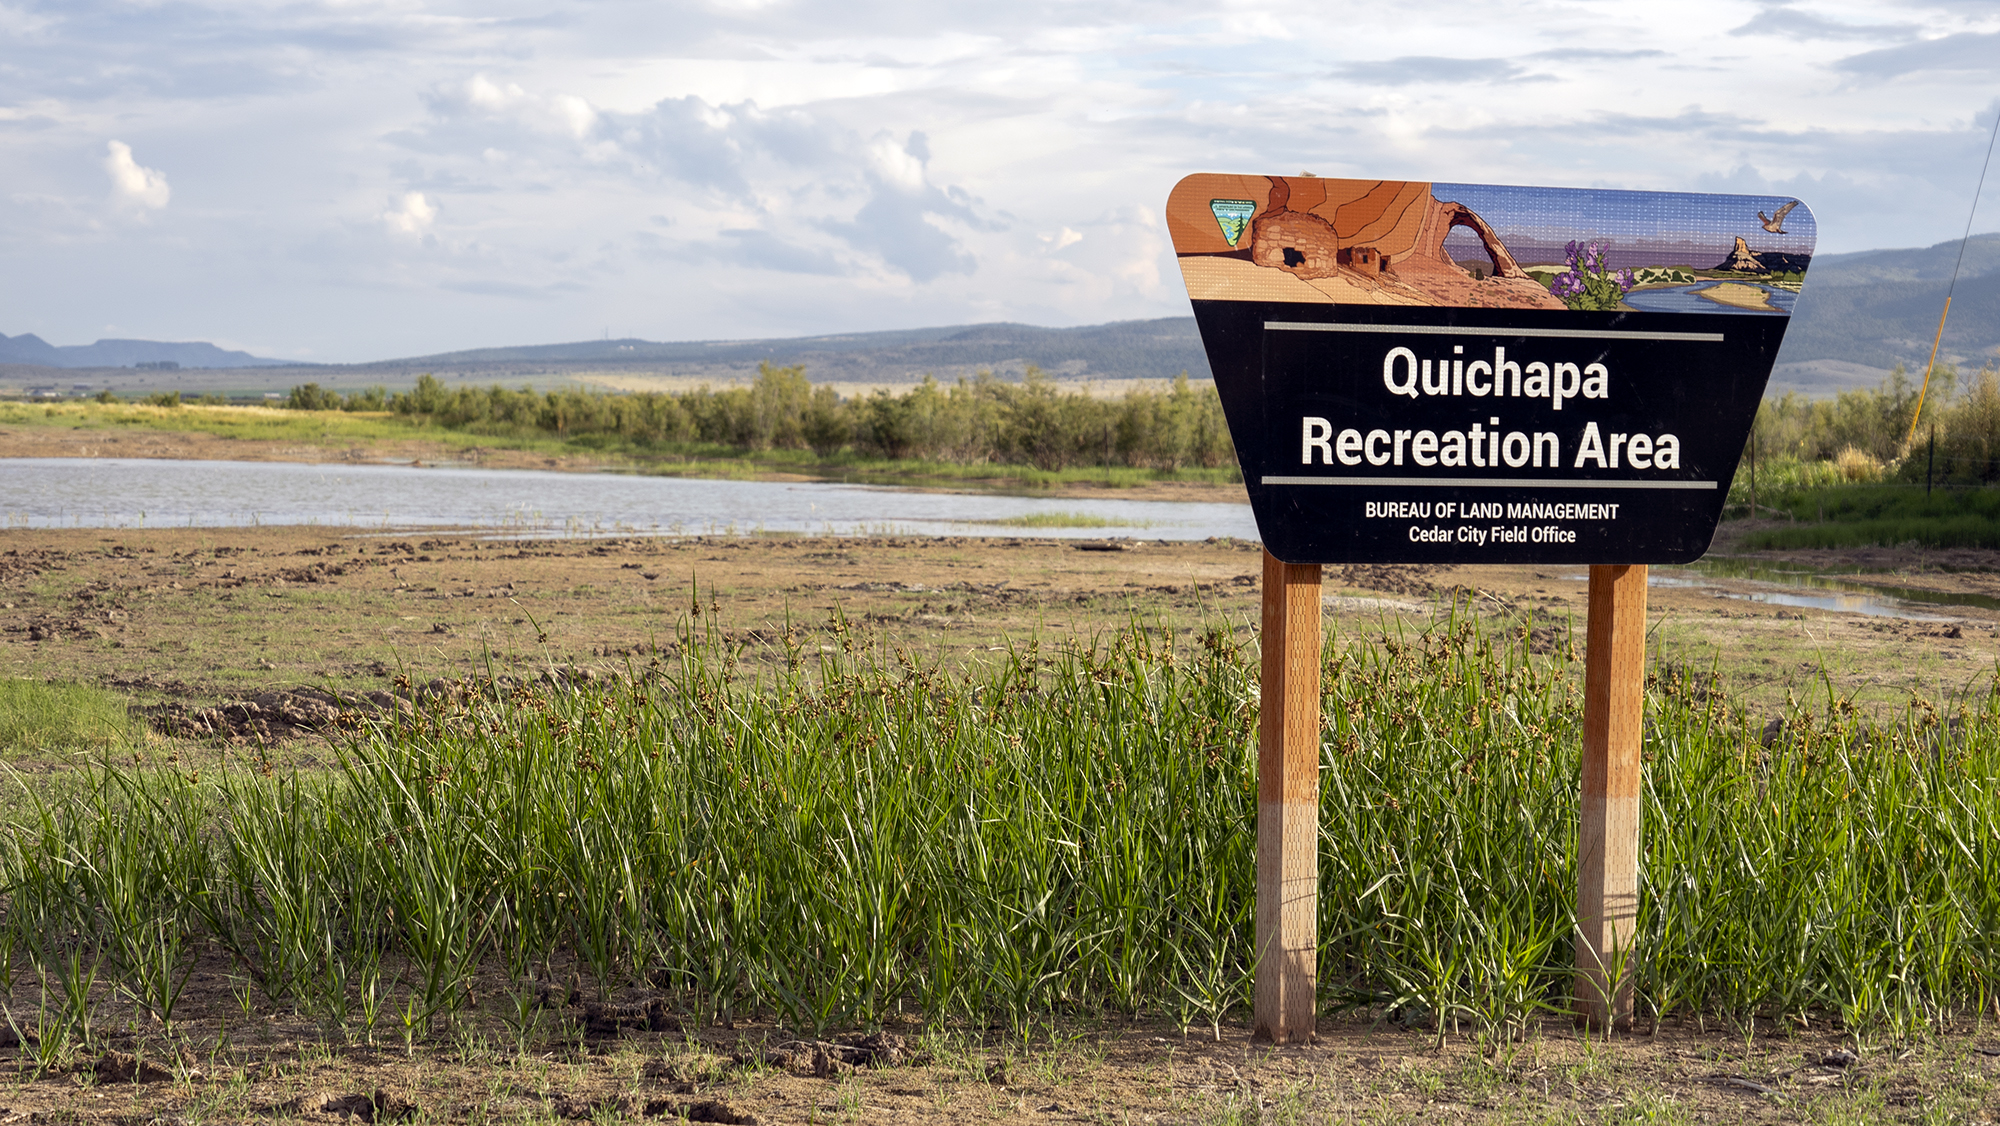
{"x": 1120, "y": 350}
{"x": 28, "y": 348}
{"x": 1868, "y": 309}
{"x": 1880, "y": 307}
{"x": 1858, "y": 315}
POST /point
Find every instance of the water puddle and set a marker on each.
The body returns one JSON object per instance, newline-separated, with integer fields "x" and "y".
{"x": 1814, "y": 590}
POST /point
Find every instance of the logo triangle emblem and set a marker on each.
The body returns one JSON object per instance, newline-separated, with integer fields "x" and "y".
{"x": 1233, "y": 216}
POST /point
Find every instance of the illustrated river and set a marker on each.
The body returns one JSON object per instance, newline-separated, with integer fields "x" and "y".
{"x": 1688, "y": 299}
{"x": 139, "y": 493}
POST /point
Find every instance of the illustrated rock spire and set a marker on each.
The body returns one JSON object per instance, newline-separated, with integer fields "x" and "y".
{"x": 1743, "y": 261}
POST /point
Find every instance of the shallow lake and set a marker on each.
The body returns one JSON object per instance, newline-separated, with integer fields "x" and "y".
{"x": 136, "y": 493}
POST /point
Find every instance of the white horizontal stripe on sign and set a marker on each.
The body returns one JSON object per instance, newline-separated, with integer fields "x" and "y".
{"x": 1501, "y": 333}
{"x": 1487, "y": 482}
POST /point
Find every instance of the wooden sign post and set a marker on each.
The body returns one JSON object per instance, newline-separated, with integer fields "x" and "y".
{"x": 1607, "y": 842}
{"x": 1583, "y": 402}
{"x": 1288, "y": 805}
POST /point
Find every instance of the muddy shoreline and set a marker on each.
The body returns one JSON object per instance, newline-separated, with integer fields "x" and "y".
{"x": 201, "y": 615}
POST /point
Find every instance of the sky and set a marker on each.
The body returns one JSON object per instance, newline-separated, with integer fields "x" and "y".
{"x": 347, "y": 180}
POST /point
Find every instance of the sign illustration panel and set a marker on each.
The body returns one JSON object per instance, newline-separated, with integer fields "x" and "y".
{"x": 1429, "y": 372}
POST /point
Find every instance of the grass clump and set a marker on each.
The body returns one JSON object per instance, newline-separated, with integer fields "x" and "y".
{"x": 858, "y": 833}
{"x": 1061, "y": 520}
{"x": 38, "y": 717}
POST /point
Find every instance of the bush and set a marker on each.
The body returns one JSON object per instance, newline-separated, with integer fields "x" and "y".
{"x": 971, "y": 422}
{"x": 1959, "y": 442}
{"x": 1873, "y": 423}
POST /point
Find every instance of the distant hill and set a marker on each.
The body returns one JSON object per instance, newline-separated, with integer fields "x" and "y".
{"x": 1880, "y": 307}
{"x": 28, "y": 348}
{"x": 1859, "y": 315}
{"x": 1119, "y": 350}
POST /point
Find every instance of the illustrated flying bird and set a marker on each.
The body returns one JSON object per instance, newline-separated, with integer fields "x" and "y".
{"x": 1776, "y": 223}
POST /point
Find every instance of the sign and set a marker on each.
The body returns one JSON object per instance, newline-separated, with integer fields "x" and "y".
{"x": 1471, "y": 373}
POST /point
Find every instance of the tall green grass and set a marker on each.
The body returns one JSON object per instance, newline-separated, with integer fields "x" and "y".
{"x": 859, "y": 833}
{"x": 40, "y": 717}
{"x": 1883, "y": 514}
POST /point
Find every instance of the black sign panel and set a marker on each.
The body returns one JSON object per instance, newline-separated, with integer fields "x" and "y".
{"x": 1525, "y": 428}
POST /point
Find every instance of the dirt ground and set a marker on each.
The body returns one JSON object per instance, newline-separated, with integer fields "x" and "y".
{"x": 243, "y": 1065}
{"x": 202, "y": 615}
{"x": 186, "y": 619}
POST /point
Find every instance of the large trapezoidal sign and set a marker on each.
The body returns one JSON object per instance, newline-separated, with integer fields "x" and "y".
{"x": 1463, "y": 373}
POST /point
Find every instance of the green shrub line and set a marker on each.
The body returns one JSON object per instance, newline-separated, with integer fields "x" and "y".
{"x": 853, "y": 833}
{"x": 1865, "y": 434}
{"x": 976, "y": 421}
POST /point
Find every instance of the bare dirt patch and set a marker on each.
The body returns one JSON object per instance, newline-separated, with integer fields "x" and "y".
{"x": 231, "y": 1062}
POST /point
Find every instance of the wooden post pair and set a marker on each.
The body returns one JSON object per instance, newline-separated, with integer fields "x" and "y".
{"x": 1288, "y": 750}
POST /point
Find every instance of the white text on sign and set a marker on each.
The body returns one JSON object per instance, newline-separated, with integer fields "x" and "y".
{"x": 1482, "y": 448}
{"x": 1404, "y": 374}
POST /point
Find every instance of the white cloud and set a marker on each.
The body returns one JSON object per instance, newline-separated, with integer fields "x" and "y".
{"x": 1061, "y": 239}
{"x": 133, "y": 184}
{"x": 482, "y": 92}
{"x": 897, "y": 164}
{"x": 411, "y": 215}
{"x": 566, "y": 115}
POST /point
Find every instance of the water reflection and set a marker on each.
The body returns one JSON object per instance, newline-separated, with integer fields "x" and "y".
{"x": 134, "y": 493}
{"x": 1860, "y": 600}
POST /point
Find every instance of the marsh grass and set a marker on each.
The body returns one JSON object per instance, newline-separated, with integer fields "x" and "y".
{"x": 1886, "y": 514}
{"x": 341, "y": 430}
{"x": 1061, "y": 520}
{"x": 854, "y": 834}
{"x": 37, "y": 717}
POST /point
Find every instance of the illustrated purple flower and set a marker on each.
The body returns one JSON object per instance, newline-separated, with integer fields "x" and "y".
{"x": 1589, "y": 283}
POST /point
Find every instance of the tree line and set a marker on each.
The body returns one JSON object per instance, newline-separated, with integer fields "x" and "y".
{"x": 971, "y": 421}
{"x": 1867, "y": 432}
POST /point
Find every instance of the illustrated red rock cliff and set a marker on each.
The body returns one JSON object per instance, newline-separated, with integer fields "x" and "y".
{"x": 1357, "y": 242}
